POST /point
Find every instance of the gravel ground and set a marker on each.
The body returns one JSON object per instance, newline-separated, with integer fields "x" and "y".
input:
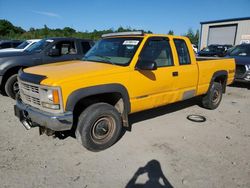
{"x": 163, "y": 148}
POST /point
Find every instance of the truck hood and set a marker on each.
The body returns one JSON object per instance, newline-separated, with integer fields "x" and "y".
{"x": 57, "y": 73}
{"x": 13, "y": 53}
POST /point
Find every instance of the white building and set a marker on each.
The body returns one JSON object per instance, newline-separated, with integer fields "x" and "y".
{"x": 229, "y": 31}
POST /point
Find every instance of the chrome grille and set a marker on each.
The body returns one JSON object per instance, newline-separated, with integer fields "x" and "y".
{"x": 32, "y": 99}
{"x": 30, "y": 93}
{"x": 240, "y": 71}
{"x": 31, "y": 88}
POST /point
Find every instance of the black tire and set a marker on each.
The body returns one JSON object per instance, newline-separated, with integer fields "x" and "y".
{"x": 99, "y": 127}
{"x": 11, "y": 86}
{"x": 213, "y": 97}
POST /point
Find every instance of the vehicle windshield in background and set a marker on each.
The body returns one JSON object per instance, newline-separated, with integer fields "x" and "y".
{"x": 241, "y": 50}
{"x": 39, "y": 46}
{"x": 22, "y": 45}
{"x": 118, "y": 51}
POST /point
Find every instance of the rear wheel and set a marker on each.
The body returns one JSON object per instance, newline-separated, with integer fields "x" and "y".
{"x": 213, "y": 98}
{"x": 99, "y": 126}
{"x": 11, "y": 86}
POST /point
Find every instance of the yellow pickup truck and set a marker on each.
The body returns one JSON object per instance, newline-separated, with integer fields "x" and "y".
{"x": 123, "y": 73}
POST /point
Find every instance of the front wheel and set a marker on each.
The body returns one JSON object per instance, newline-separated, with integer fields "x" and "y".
{"x": 99, "y": 126}
{"x": 11, "y": 86}
{"x": 213, "y": 97}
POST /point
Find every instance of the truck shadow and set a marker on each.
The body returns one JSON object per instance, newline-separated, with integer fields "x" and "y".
{"x": 152, "y": 113}
{"x": 156, "y": 178}
{"x": 141, "y": 116}
{"x": 240, "y": 85}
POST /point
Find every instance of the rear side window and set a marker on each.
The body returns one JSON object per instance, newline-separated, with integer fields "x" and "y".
{"x": 85, "y": 47}
{"x": 182, "y": 51}
{"x": 159, "y": 51}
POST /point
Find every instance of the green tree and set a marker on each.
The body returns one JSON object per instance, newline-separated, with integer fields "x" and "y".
{"x": 197, "y": 37}
{"x": 45, "y": 31}
{"x": 69, "y": 30}
{"x": 170, "y": 32}
{"x": 194, "y": 38}
{"x": 8, "y": 29}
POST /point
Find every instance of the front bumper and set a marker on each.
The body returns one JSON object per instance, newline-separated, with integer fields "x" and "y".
{"x": 241, "y": 80}
{"x": 32, "y": 117}
{"x": 245, "y": 78}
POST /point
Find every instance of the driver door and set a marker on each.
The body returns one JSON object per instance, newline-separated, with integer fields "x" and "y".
{"x": 152, "y": 88}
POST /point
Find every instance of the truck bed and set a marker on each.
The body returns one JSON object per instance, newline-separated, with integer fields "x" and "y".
{"x": 209, "y": 65}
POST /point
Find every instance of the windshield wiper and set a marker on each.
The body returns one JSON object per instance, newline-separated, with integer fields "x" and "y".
{"x": 106, "y": 59}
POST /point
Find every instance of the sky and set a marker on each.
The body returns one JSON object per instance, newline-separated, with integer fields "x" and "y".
{"x": 158, "y": 16}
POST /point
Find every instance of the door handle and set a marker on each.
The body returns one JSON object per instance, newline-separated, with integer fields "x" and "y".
{"x": 175, "y": 73}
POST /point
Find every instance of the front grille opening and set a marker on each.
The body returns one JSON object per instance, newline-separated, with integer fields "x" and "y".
{"x": 30, "y": 94}
{"x": 31, "y": 88}
{"x": 32, "y": 99}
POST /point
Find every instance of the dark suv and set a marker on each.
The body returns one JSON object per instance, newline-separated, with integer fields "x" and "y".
{"x": 49, "y": 50}
{"x": 241, "y": 54}
{"x": 9, "y": 43}
{"x": 215, "y": 50}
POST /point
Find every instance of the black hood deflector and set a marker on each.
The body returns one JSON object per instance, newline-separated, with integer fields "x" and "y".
{"x": 31, "y": 78}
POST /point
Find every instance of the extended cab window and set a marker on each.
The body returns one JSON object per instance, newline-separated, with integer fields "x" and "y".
{"x": 118, "y": 51}
{"x": 182, "y": 51}
{"x": 65, "y": 47}
{"x": 159, "y": 51}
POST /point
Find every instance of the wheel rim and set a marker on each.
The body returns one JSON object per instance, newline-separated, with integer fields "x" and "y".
{"x": 15, "y": 87}
{"x": 216, "y": 96}
{"x": 103, "y": 129}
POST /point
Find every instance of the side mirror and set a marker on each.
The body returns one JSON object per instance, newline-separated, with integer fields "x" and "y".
{"x": 146, "y": 65}
{"x": 54, "y": 52}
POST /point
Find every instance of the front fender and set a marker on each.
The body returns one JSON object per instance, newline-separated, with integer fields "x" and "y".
{"x": 79, "y": 94}
{"x": 5, "y": 64}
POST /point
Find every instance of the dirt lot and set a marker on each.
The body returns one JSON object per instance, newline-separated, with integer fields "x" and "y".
{"x": 162, "y": 148}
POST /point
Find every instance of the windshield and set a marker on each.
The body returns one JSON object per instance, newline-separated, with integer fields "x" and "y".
{"x": 118, "y": 51}
{"x": 241, "y": 50}
{"x": 39, "y": 46}
{"x": 22, "y": 45}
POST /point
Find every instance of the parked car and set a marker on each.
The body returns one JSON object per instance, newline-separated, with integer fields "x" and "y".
{"x": 48, "y": 50}
{"x": 214, "y": 50}
{"x": 195, "y": 48}
{"x": 21, "y": 47}
{"x": 9, "y": 43}
{"x": 241, "y": 54}
{"x": 122, "y": 74}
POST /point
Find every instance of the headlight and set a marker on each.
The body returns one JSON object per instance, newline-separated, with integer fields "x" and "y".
{"x": 51, "y": 98}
